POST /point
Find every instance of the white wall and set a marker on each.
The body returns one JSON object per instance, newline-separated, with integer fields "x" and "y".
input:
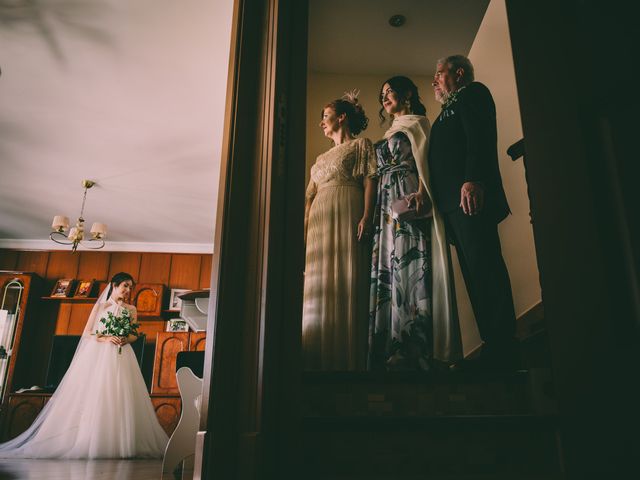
{"x": 493, "y": 61}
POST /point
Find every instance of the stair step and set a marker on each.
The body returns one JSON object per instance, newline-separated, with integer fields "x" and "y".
{"x": 414, "y": 394}
{"x": 356, "y": 447}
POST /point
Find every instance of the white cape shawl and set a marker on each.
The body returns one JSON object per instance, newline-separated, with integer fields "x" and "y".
{"x": 447, "y": 342}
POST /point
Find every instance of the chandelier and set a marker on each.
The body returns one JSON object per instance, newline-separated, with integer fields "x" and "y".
{"x": 76, "y": 235}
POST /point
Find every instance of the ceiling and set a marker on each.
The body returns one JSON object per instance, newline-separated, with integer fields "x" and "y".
{"x": 354, "y": 36}
{"x": 131, "y": 95}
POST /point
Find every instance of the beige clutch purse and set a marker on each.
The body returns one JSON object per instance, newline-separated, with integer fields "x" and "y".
{"x": 402, "y": 212}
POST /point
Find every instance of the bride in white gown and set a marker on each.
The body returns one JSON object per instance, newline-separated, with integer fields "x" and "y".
{"x": 101, "y": 409}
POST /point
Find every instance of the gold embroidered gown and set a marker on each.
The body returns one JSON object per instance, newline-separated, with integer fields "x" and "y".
{"x": 335, "y": 309}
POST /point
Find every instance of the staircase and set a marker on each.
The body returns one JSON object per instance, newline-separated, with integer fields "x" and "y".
{"x": 449, "y": 426}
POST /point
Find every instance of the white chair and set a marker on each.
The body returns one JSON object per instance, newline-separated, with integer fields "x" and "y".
{"x": 182, "y": 443}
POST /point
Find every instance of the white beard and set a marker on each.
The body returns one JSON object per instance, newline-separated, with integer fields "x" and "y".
{"x": 441, "y": 96}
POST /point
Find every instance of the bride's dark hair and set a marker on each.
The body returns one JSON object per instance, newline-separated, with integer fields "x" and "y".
{"x": 117, "y": 279}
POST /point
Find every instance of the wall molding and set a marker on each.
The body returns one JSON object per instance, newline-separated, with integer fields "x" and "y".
{"x": 29, "y": 244}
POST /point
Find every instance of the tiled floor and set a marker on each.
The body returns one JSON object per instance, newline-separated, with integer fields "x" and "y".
{"x": 81, "y": 469}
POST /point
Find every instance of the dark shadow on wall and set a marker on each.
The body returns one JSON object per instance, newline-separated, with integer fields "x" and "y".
{"x": 50, "y": 19}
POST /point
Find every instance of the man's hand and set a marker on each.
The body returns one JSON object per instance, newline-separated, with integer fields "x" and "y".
{"x": 472, "y": 198}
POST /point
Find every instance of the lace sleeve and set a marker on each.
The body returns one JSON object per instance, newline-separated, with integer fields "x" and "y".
{"x": 365, "y": 165}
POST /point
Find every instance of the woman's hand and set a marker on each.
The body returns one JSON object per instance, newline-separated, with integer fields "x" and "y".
{"x": 119, "y": 341}
{"x": 364, "y": 228}
{"x": 418, "y": 202}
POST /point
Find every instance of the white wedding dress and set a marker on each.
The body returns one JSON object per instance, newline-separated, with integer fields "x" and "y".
{"x": 101, "y": 409}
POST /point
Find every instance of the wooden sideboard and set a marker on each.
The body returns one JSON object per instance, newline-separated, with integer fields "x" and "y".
{"x": 165, "y": 395}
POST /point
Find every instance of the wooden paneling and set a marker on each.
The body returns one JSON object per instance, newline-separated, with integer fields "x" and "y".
{"x": 197, "y": 341}
{"x": 62, "y": 322}
{"x": 78, "y": 318}
{"x": 94, "y": 266}
{"x": 183, "y": 267}
{"x": 168, "y": 411}
{"x": 168, "y": 345}
{"x": 62, "y": 265}
{"x": 205, "y": 271}
{"x": 150, "y": 328}
{"x": 33, "y": 262}
{"x": 154, "y": 268}
{"x": 8, "y": 259}
{"x": 23, "y": 409}
{"x": 125, "y": 262}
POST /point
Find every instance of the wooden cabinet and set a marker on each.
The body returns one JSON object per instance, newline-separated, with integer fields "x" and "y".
{"x": 168, "y": 408}
{"x": 165, "y": 395}
{"x": 197, "y": 341}
{"x": 22, "y": 411}
{"x": 168, "y": 345}
{"x": 20, "y": 363}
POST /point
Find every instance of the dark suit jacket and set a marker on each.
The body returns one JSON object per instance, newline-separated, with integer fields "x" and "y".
{"x": 463, "y": 148}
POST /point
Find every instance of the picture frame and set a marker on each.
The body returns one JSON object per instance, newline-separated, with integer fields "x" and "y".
{"x": 84, "y": 288}
{"x": 174, "y": 300}
{"x": 62, "y": 288}
{"x": 177, "y": 325}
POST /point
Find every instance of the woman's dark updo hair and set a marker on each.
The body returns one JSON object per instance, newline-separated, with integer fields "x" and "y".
{"x": 405, "y": 89}
{"x": 357, "y": 121}
{"x": 117, "y": 279}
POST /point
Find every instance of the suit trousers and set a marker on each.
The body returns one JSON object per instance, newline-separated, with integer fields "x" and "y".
{"x": 487, "y": 280}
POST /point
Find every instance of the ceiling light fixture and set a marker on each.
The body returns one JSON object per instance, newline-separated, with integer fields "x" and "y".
{"x": 76, "y": 235}
{"x": 397, "y": 20}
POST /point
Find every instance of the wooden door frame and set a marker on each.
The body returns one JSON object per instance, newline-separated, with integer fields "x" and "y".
{"x": 249, "y": 410}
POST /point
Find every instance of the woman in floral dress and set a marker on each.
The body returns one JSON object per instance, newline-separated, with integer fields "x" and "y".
{"x": 412, "y": 314}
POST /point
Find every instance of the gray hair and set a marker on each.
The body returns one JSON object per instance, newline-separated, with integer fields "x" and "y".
{"x": 459, "y": 61}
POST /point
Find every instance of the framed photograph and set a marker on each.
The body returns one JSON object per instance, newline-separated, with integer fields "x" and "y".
{"x": 84, "y": 288}
{"x": 174, "y": 301}
{"x": 62, "y": 287}
{"x": 177, "y": 325}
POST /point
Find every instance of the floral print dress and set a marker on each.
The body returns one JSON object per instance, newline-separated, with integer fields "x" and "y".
{"x": 400, "y": 321}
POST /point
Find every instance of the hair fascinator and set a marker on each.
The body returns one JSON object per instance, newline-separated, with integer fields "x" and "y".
{"x": 351, "y": 96}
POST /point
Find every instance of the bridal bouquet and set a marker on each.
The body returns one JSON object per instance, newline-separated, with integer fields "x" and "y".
{"x": 119, "y": 326}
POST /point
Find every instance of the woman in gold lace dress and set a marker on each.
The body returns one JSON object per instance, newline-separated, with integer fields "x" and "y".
{"x": 338, "y": 220}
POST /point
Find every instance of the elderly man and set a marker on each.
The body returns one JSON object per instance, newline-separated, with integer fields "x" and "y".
{"x": 463, "y": 161}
